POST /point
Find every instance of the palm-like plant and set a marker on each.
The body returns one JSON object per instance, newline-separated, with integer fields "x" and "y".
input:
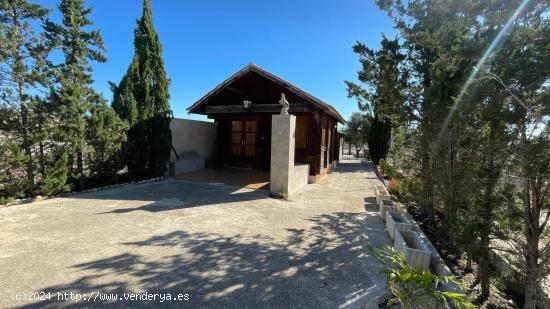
{"x": 412, "y": 288}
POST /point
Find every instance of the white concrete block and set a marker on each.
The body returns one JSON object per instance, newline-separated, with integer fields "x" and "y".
{"x": 415, "y": 250}
{"x": 397, "y": 220}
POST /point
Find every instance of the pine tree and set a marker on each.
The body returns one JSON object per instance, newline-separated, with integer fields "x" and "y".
{"x": 74, "y": 96}
{"x": 440, "y": 53}
{"x": 12, "y": 183}
{"x": 22, "y": 57}
{"x": 142, "y": 99}
{"x": 55, "y": 178}
{"x": 519, "y": 73}
{"x": 467, "y": 128}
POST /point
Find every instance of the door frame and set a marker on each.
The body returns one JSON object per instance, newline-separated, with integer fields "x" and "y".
{"x": 243, "y": 160}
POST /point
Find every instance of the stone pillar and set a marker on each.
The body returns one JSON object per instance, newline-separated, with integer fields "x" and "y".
{"x": 282, "y": 154}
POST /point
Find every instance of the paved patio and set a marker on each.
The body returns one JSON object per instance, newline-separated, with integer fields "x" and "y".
{"x": 240, "y": 177}
{"x": 224, "y": 246}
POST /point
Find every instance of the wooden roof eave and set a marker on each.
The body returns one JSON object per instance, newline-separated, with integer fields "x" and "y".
{"x": 252, "y": 67}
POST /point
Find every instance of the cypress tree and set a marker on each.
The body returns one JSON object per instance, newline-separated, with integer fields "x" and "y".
{"x": 142, "y": 99}
{"x": 74, "y": 96}
{"x": 152, "y": 86}
{"x": 124, "y": 103}
{"x": 384, "y": 98}
{"x": 107, "y": 134}
{"x": 379, "y": 138}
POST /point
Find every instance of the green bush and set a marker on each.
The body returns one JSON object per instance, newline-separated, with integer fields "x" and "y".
{"x": 106, "y": 135}
{"x": 55, "y": 178}
{"x": 412, "y": 288}
{"x": 407, "y": 190}
{"x": 379, "y": 138}
{"x": 389, "y": 170}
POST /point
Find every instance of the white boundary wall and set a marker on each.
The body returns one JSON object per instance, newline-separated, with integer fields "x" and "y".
{"x": 193, "y": 139}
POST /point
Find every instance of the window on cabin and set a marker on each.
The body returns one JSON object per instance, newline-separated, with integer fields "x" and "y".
{"x": 301, "y": 130}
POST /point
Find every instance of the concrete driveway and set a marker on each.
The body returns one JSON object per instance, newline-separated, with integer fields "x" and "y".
{"x": 212, "y": 246}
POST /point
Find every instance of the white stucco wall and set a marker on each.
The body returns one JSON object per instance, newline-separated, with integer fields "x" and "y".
{"x": 193, "y": 139}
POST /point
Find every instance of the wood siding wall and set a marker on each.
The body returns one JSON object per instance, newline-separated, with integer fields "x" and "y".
{"x": 318, "y": 153}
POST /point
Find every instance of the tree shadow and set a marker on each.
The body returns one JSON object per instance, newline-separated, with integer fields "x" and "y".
{"x": 172, "y": 194}
{"x": 324, "y": 266}
{"x": 370, "y": 204}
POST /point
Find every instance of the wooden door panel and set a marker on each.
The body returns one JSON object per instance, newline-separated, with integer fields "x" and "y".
{"x": 250, "y": 138}
{"x": 243, "y": 141}
{"x": 236, "y": 125}
{"x": 236, "y": 138}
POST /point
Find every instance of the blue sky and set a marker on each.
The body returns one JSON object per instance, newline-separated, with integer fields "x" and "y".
{"x": 306, "y": 42}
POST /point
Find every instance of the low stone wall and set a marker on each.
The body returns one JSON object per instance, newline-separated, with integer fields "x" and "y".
{"x": 185, "y": 165}
{"x": 300, "y": 177}
{"x": 193, "y": 139}
{"x": 437, "y": 264}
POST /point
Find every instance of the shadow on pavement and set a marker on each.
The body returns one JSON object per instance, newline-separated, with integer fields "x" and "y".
{"x": 326, "y": 266}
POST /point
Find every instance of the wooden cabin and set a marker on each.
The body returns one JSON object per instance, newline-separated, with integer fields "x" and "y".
{"x": 242, "y": 107}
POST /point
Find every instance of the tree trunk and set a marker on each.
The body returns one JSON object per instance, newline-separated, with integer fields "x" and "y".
{"x": 42, "y": 156}
{"x": 531, "y": 276}
{"x": 532, "y": 203}
{"x": 427, "y": 182}
{"x": 358, "y": 150}
{"x": 486, "y": 215}
{"x": 80, "y": 168}
{"x": 469, "y": 259}
{"x": 27, "y": 144}
{"x": 484, "y": 261}
{"x": 42, "y": 159}
{"x": 18, "y": 76}
{"x": 450, "y": 197}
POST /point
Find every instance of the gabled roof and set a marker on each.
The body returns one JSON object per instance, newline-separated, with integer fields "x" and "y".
{"x": 283, "y": 83}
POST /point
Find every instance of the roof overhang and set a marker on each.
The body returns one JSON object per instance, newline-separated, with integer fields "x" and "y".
{"x": 273, "y": 78}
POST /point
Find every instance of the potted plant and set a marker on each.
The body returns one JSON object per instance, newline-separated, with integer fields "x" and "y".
{"x": 410, "y": 288}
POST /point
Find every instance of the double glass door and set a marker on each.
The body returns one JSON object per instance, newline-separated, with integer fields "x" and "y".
{"x": 243, "y": 141}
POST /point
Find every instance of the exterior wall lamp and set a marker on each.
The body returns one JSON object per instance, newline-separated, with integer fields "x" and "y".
{"x": 247, "y": 104}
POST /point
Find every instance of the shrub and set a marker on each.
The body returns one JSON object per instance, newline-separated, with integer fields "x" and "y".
{"x": 55, "y": 178}
{"x": 388, "y": 170}
{"x": 394, "y": 188}
{"x": 379, "y": 138}
{"x": 106, "y": 134}
{"x": 406, "y": 189}
{"x": 394, "y": 182}
{"x": 413, "y": 288}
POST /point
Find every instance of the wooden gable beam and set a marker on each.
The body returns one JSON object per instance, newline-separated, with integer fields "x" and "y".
{"x": 255, "y": 108}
